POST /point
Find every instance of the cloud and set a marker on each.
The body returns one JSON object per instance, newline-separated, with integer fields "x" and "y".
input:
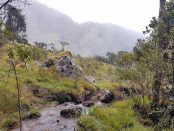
{"x": 133, "y": 14}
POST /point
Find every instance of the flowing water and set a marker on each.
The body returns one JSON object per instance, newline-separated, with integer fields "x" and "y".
{"x": 51, "y": 120}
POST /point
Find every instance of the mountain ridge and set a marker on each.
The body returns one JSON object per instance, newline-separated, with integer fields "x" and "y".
{"x": 86, "y": 39}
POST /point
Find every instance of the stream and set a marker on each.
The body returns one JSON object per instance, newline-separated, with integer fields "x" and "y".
{"x": 51, "y": 120}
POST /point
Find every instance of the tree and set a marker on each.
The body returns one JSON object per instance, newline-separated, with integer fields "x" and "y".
{"x": 4, "y": 7}
{"x": 16, "y": 23}
{"x": 16, "y": 55}
{"x": 41, "y": 45}
{"x": 162, "y": 45}
{"x": 111, "y": 57}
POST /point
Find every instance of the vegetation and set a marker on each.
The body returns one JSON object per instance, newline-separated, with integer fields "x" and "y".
{"x": 119, "y": 116}
{"x": 33, "y": 74}
{"x": 30, "y": 77}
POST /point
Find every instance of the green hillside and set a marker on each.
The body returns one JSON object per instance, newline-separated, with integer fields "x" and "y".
{"x": 34, "y": 77}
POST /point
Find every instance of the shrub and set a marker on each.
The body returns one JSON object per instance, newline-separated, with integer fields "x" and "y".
{"x": 32, "y": 114}
{"x": 89, "y": 123}
{"x": 117, "y": 117}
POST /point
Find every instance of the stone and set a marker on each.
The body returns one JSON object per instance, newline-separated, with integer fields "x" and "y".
{"x": 88, "y": 94}
{"x": 65, "y": 64}
{"x": 88, "y": 103}
{"x": 67, "y": 67}
{"x": 71, "y": 112}
{"x": 78, "y": 98}
{"x": 106, "y": 96}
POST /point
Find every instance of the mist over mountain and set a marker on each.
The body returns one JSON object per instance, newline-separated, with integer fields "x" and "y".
{"x": 49, "y": 25}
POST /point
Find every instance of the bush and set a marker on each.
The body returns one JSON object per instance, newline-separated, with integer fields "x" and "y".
{"x": 38, "y": 54}
{"x": 32, "y": 114}
{"x": 117, "y": 117}
{"x": 89, "y": 123}
{"x": 10, "y": 123}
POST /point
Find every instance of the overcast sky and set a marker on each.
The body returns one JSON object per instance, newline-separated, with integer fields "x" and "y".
{"x": 132, "y": 14}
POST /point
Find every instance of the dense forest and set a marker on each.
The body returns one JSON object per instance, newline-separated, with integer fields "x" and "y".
{"x": 43, "y": 88}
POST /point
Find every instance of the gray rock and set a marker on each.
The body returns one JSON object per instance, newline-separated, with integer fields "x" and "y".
{"x": 67, "y": 67}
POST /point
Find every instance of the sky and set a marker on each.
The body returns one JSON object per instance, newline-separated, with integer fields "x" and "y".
{"x": 131, "y": 14}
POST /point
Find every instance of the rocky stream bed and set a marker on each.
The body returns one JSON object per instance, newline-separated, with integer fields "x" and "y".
{"x": 52, "y": 120}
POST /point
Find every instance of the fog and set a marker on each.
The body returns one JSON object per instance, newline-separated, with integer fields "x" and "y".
{"x": 132, "y": 14}
{"x": 89, "y": 38}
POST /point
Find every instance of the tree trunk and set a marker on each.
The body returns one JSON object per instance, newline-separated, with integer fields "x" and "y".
{"x": 18, "y": 96}
{"x": 156, "y": 88}
{"x": 161, "y": 46}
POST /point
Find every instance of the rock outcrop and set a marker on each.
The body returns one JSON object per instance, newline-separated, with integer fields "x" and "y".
{"x": 65, "y": 64}
{"x": 67, "y": 67}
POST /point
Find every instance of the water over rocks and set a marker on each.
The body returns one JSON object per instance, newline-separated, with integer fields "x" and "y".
{"x": 51, "y": 120}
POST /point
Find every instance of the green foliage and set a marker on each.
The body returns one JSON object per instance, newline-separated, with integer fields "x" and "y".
{"x": 38, "y": 54}
{"x": 125, "y": 59}
{"x": 8, "y": 33}
{"x": 105, "y": 74}
{"x": 119, "y": 116}
{"x": 89, "y": 123}
{"x": 15, "y": 20}
{"x": 34, "y": 113}
{"x": 23, "y": 53}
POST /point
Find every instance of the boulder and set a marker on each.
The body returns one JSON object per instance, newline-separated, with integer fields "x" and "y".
{"x": 88, "y": 94}
{"x": 78, "y": 98}
{"x": 106, "y": 96}
{"x": 71, "y": 112}
{"x": 67, "y": 67}
{"x": 88, "y": 103}
{"x": 65, "y": 64}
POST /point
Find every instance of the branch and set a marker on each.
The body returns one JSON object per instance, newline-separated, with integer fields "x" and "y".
{"x": 8, "y": 1}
